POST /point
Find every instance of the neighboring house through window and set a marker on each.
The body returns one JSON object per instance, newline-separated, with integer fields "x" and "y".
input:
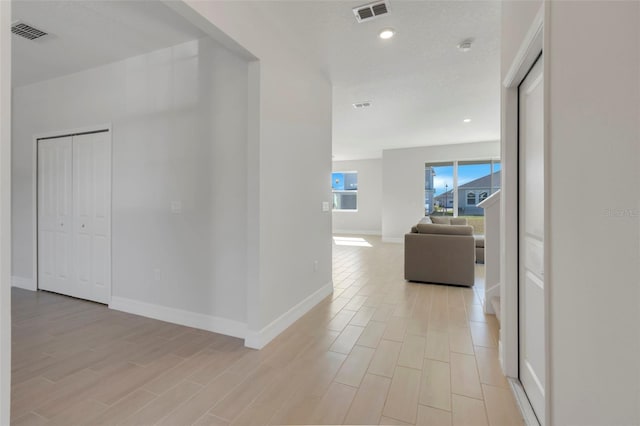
{"x": 345, "y": 190}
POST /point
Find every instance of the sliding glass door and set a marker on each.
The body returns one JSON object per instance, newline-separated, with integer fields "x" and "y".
{"x": 438, "y": 189}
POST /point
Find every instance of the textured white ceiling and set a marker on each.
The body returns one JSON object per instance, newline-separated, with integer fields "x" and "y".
{"x": 420, "y": 85}
{"x": 86, "y": 34}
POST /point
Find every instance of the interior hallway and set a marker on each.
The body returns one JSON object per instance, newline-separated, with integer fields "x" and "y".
{"x": 380, "y": 350}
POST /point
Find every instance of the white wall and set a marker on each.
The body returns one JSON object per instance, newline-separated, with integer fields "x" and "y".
{"x": 594, "y": 140}
{"x": 292, "y": 132}
{"x": 5, "y": 210}
{"x": 403, "y": 184}
{"x": 179, "y": 119}
{"x": 368, "y": 218}
{"x": 592, "y": 60}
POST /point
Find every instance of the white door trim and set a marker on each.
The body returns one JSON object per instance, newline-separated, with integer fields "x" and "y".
{"x": 5, "y": 212}
{"x": 527, "y": 53}
{"x": 536, "y": 41}
{"x": 34, "y": 179}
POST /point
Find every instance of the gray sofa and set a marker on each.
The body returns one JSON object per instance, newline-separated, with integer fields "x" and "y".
{"x": 440, "y": 253}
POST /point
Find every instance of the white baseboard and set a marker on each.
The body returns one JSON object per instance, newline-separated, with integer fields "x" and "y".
{"x": 357, "y": 232}
{"x": 252, "y": 339}
{"x": 24, "y": 283}
{"x": 259, "y": 339}
{"x": 393, "y": 240}
{"x": 179, "y": 316}
{"x": 526, "y": 410}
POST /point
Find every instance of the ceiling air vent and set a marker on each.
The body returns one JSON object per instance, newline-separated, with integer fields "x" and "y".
{"x": 361, "y": 105}
{"x": 371, "y": 11}
{"x": 26, "y": 31}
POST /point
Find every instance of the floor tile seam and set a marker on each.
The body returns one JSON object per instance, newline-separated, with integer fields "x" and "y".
{"x": 170, "y": 411}
{"x": 467, "y": 396}
{"x": 254, "y": 399}
{"x": 37, "y": 415}
{"x": 195, "y": 395}
{"x": 437, "y": 408}
{"x": 484, "y": 404}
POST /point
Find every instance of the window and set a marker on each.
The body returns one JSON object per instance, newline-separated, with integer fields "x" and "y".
{"x": 474, "y": 182}
{"x": 471, "y": 198}
{"x": 345, "y": 190}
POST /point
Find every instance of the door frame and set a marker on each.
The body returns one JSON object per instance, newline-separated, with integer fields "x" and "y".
{"x": 535, "y": 43}
{"x": 5, "y": 211}
{"x": 34, "y": 199}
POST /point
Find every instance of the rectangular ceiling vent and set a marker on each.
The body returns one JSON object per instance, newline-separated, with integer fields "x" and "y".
{"x": 26, "y": 31}
{"x": 360, "y": 105}
{"x": 371, "y": 11}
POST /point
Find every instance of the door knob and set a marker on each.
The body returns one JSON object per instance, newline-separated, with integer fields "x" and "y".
{"x": 83, "y": 225}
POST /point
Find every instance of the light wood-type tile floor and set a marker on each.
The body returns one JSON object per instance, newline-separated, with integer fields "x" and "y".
{"x": 378, "y": 351}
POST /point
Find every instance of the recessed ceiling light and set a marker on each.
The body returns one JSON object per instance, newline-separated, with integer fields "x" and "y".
{"x": 387, "y": 33}
{"x": 467, "y": 120}
{"x": 465, "y": 46}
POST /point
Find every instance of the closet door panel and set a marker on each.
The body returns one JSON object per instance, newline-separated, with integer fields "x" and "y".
{"x": 55, "y": 220}
{"x": 47, "y": 217}
{"x": 102, "y": 211}
{"x": 82, "y": 205}
{"x": 92, "y": 195}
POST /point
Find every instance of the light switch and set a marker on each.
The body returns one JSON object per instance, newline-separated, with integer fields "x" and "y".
{"x": 176, "y": 207}
{"x": 325, "y": 206}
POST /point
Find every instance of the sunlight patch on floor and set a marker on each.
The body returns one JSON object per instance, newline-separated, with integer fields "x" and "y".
{"x": 351, "y": 241}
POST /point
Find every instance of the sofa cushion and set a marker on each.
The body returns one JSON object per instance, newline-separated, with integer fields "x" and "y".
{"x": 433, "y": 228}
{"x": 459, "y": 221}
{"x": 441, "y": 220}
{"x": 448, "y": 220}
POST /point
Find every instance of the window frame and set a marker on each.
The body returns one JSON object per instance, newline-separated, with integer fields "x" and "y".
{"x": 470, "y": 194}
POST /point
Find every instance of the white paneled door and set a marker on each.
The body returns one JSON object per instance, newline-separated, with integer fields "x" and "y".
{"x": 74, "y": 216}
{"x": 55, "y": 219}
{"x": 531, "y": 225}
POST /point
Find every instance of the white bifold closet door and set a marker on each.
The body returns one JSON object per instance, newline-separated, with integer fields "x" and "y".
{"x": 74, "y": 216}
